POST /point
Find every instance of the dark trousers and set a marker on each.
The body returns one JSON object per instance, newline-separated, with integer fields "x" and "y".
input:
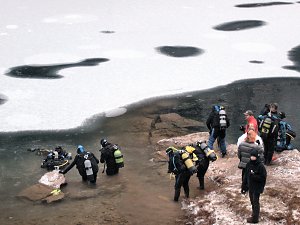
{"x": 269, "y": 148}
{"x": 243, "y": 173}
{"x": 201, "y": 170}
{"x": 182, "y": 179}
{"x": 254, "y": 199}
{"x": 221, "y": 137}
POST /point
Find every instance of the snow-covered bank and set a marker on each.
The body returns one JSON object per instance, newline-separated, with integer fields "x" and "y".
{"x": 226, "y": 205}
{"x": 222, "y": 202}
{"x": 55, "y": 32}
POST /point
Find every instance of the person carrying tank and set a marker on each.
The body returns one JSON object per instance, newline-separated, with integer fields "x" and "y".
{"x": 181, "y": 164}
{"x": 269, "y": 128}
{"x": 217, "y": 123}
{"x": 111, "y": 156}
{"x": 86, "y": 164}
{"x": 204, "y": 155}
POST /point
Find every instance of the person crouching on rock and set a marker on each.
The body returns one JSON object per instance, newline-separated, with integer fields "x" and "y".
{"x": 254, "y": 181}
{"x": 86, "y": 163}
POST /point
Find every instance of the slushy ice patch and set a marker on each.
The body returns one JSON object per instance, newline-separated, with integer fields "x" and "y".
{"x": 294, "y": 56}
{"x": 253, "y": 5}
{"x": 3, "y": 99}
{"x": 49, "y": 71}
{"x": 240, "y": 25}
{"x": 179, "y": 51}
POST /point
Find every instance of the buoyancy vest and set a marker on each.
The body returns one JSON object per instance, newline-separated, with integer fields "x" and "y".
{"x": 269, "y": 126}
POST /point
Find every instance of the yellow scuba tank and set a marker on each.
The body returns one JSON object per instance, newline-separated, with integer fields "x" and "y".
{"x": 119, "y": 158}
{"x": 188, "y": 162}
{"x": 191, "y": 150}
{"x": 210, "y": 154}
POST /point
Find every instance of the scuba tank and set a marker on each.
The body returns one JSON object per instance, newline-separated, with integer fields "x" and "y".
{"x": 88, "y": 168}
{"x": 222, "y": 117}
{"x": 210, "y": 154}
{"x": 191, "y": 150}
{"x": 188, "y": 162}
{"x": 118, "y": 158}
{"x": 55, "y": 153}
{"x": 265, "y": 125}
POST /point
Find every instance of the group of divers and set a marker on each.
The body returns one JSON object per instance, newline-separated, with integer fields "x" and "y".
{"x": 86, "y": 162}
{"x": 262, "y": 135}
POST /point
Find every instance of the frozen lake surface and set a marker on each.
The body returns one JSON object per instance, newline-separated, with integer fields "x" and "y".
{"x": 63, "y": 62}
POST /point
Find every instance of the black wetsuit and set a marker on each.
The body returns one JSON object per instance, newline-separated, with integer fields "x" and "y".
{"x": 254, "y": 180}
{"x": 79, "y": 162}
{"x": 182, "y": 178}
{"x": 107, "y": 156}
{"x": 202, "y": 165}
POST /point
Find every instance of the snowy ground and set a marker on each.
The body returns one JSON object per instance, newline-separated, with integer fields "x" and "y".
{"x": 58, "y": 35}
{"x": 226, "y": 205}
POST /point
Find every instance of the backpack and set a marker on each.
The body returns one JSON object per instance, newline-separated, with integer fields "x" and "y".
{"x": 269, "y": 127}
{"x": 180, "y": 160}
{"x": 173, "y": 154}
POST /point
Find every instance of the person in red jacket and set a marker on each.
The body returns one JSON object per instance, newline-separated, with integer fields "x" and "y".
{"x": 251, "y": 121}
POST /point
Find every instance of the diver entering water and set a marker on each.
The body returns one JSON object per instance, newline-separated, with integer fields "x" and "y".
{"x": 111, "y": 156}
{"x": 86, "y": 164}
{"x": 56, "y": 158}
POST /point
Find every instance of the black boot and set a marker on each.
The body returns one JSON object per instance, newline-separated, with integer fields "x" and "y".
{"x": 176, "y": 195}
{"x": 201, "y": 182}
{"x": 251, "y": 220}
